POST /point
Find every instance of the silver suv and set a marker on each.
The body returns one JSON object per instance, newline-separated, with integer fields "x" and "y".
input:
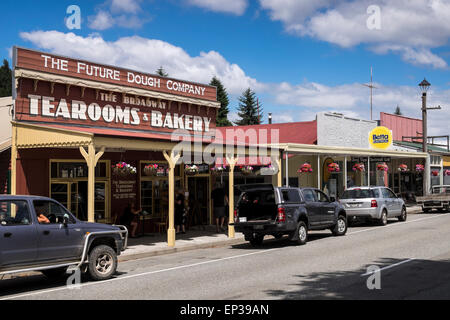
{"x": 377, "y": 203}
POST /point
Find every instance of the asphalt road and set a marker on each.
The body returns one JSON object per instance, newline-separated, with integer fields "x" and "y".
{"x": 414, "y": 258}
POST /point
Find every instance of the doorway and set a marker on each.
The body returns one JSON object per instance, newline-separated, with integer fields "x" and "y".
{"x": 198, "y": 188}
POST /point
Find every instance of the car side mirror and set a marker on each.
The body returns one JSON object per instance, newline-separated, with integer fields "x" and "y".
{"x": 332, "y": 199}
{"x": 66, "y": 220}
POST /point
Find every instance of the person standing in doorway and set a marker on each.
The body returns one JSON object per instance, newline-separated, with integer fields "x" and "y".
{"x": 180, "y": 216}
{"x": 130, "y": 218}
{"x": 220, "y": 201}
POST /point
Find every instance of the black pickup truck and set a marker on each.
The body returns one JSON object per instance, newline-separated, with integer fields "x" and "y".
{"x": 266, "y": 210}
{"x": 39, "y": 234}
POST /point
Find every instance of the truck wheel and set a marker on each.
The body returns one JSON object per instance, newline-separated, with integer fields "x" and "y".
{"x": 102, "y": 262}
{"x": 403, "y": 215}
{"x": 256, "y": 240}
{"x": 301, "y": 233}
{"x": 426, "y": 210}
{"x": 55, "y": 273}
{"x": 340, "y": 228}
{"x": 383, "y": 220}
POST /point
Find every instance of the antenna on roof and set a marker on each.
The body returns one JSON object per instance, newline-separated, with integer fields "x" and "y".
{"x": 371, "y": 86}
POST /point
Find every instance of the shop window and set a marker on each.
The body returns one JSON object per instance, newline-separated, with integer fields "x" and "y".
{"x": 74, "y": 170}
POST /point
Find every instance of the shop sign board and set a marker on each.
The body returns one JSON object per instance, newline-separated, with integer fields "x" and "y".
{"x": 49, "y": 63}
{"x": 372, "y": 159}
{"x": 380, "y": 138}
{"x": 57, "y": 103}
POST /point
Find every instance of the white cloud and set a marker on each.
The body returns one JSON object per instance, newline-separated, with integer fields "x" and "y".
{"x": 410, "y": 28}
{"x": 102, "y": 21}
{"x": 236, "y": 7}
{"x": 128, "y": 6}
{"x": 146, "y": 55}
{"x": 122, "y": 13}
{"x": 295, "y": 102}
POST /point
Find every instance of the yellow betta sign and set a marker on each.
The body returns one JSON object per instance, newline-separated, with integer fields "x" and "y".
{"x": 380, "y": 138}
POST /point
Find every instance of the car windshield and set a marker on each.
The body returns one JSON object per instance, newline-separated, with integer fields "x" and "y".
{"x": 358, "y": 194}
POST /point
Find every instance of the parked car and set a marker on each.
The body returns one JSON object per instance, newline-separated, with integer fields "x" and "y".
{"x": 39, "y": 234}
{"x": 439, "y": 199}
{"x": 374, "y": 203}
{"x": 266, "y": 210}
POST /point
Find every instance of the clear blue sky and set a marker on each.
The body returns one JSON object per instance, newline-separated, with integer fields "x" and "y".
{"x": 322, "y": 62}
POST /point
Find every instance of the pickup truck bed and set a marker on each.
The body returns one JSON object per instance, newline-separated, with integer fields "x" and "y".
{"x": 439, "y": 199}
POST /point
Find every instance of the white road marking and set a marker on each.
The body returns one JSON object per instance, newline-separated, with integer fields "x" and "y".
{"x": 191, "y": 265}
{"x": 137, "y": 275}
{"x": 388, "y": 267}
{"x": 396, "y": 224}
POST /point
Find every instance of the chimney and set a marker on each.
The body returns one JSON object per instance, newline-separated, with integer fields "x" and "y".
{"x": 270, "y": 118}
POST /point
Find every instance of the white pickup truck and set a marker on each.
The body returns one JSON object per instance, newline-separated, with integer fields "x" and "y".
{"x": 438, "y": 199}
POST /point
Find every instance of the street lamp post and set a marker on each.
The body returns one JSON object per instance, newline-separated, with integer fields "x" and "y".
{"x": 424, "y": 86}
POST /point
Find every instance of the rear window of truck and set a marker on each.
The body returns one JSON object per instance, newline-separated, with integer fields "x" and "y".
{"x": 358, "y": 194}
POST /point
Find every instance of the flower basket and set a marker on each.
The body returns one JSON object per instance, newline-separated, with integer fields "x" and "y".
{"x": 447, "y": 172}
{"x": 267, "y": 171}
{"x": 305, "y": 168}
{"x": 217, "y": 171}
{"x": 382, "y": 167}
{"x": 123, "y": 169}
{"x": 420, "y": 168}
{"x": 151, "y": 169}
{"x": 191, "y": 170}
{"x": 434, "y": 173}
{"x": 359, "y": 167}
{"x": 403, "y": 168}
{"x": 333, "y": 167}
{"x": 246, "y": 170}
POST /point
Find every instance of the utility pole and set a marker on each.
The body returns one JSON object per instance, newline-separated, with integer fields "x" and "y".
{"x": 371, "y": 86}
{"x": 424, "y": 86}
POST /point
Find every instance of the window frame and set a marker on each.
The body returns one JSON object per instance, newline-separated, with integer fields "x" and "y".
{"x": 72, "y": 218}
{"x": 31, "y": 221}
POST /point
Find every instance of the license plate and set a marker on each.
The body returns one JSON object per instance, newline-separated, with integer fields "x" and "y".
{"x": 354, "y": 205}
{"x": 242, "y": 219}
{"x": 258, "y": 227}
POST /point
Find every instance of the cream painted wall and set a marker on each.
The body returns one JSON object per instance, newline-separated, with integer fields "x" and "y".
{"x": 5, "y": 119}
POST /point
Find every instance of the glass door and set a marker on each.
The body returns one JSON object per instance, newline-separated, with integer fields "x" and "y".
{"x": 147, "y": 196}
{"x": 100, "y": 201}
{"x": 60, "y": 193}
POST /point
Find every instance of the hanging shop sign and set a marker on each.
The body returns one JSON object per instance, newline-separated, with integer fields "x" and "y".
{"x": 372, "y": 159}
{"x": 380, "y": 138}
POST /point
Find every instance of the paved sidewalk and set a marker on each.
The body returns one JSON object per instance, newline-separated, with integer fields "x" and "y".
{"x": 156, "y": 244}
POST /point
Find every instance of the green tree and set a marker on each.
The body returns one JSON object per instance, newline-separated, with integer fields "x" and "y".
{"x": 222, "y": 97}
{"x": 5, "y": 79}
{"x": 397, "y": 111}
{"x": 161, "y": 72}
{"x": 248, "y": 109}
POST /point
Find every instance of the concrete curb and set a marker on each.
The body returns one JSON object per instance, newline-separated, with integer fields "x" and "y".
{"x": 215, "y": 244}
